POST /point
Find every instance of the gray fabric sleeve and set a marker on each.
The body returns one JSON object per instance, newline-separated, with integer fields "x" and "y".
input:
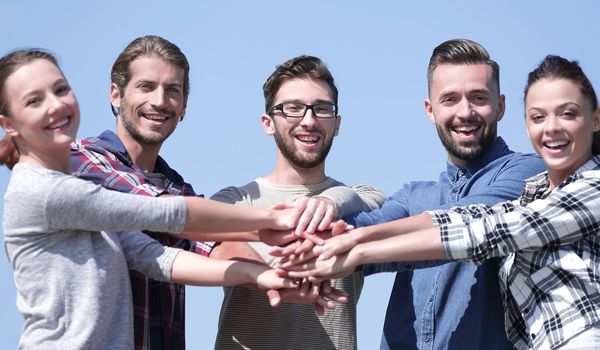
{"x": 351, "y": 200}
{"x": 78, "y": 204}
{"x": 146, "y": 255}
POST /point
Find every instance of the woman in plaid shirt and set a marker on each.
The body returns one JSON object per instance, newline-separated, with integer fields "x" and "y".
{"x": 550, "y": 277}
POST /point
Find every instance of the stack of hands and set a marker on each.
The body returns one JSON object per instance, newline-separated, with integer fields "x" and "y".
{"x": 312, "y": 254}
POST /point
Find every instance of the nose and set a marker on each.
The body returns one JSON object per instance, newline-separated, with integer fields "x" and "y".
{"x": 463, "y": 108}
{"x": 552, "y": 125}
{"x": 158, "y": 97}
{"x": 309, "y": 121}
{"x": 55, "y": 104}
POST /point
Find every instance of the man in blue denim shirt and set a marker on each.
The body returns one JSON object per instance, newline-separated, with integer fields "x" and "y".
{"x": 454, "y": 305}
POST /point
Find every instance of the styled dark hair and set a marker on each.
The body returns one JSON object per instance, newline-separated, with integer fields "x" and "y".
{"x": 556, "y": 67}
{"x": 310, "y": 67}
{"x": 149, "y": 45}
{"x": 9, "y": 154}
{"x": 461, "y": 51}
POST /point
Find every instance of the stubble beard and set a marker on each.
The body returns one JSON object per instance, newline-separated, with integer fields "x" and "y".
{"x": 468, "y": 151}
{"x": 289, "y": 152}
{"x": 134, "y": 131}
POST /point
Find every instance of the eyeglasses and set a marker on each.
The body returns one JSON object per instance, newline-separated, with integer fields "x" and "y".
{"x": 298, "y": 110}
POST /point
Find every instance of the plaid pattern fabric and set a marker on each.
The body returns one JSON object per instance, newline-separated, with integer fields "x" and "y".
{"x": 159, "y": 307}
{"x": 550, "y": 278}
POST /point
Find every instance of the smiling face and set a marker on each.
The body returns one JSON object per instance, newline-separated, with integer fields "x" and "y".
{"x": 560, "y": 124}
{"x": 152, "y": 102}
{"x": 465, "y": 106}
{"x": 43, "y": 114}
{"x": 303, "y": 142}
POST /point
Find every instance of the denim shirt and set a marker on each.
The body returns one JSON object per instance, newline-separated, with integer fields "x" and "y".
{"x": 455, "y": 305}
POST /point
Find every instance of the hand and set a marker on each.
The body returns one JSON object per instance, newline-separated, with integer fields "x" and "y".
{"x": 322, "y": 295}
{"x": 304, "y": 246}
{"x": 317, "y": 213}
{"x": 338, "y": 244}
{"x": 319, "y": 269}
{"x": 265, "y": 278}
{"x": 277, "y": 238}
{"x": 285, "y": 216}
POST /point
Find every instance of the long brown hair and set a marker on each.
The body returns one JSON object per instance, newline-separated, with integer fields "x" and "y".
{"x": 9, "y": 153}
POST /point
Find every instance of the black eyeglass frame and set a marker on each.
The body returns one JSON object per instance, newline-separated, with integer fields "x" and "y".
{"x": 279, "y": 107}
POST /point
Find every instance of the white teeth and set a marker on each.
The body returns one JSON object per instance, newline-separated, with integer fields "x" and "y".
{"x": 556, "y": 144}
{"x": 155, "y": 117}
{"x": 61, "y": 123}
{"x": 308, "y": 138}
{"x": 466, "y": 128}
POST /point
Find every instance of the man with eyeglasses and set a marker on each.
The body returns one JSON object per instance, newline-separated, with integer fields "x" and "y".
{"x": 302, "y": 116}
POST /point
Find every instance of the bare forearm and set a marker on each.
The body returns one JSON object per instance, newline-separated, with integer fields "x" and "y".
{"x": 419, "y": 245}
{"x": 193, "y": 269}
{"x": 394, "y": 228}
{"x": 235, "y": 251}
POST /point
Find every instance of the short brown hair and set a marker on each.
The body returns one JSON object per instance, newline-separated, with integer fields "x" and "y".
{"x": 299, "y": 67}
{"x": 461, "y": 51}
{"x": 147, "y": 46}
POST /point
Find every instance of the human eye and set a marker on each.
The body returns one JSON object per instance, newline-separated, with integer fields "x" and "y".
{"x": 323, "y": 109}
{"x": 32, "y": 101}
{"x": 536, "y": 117}
{"x": 293, "y": 108}
{"x": 62, "y": 89}
{"x": 570, "y": 113}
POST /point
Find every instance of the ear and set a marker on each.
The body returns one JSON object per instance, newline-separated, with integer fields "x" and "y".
{"x": 268, "y": 124}
{"x": 501, "y": 107}
{"x": 338, "y": 121}
{"x": 429, "y": 111}
{"x": 596, "y": 121}
{"x": 7, "y": 125}
{"x": 115, "y": 96}
{"x": 182, "y": 115}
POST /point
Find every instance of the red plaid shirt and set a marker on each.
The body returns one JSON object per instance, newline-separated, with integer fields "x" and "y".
{"x": 159, "y": 307}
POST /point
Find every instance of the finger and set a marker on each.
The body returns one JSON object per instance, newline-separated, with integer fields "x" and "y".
{"x": 314, "y": 291}
{"x": 319, "y": 309}
{"x": 326, "y": 304}
{"x": 297, "y": 259}
{"x": 303, "y": 288}
{"x": 314, "y": 238}
{"x": 305, "y": 247}
{"x": 326, "y": 287}
{"x": 327, "y": 218}
{"x": 274, "y": 297}
{"x": 316, "y": 218}
{"x": 280, "y": 206}
{"x": 308, "y": 209}
{"x": 339, "y": 227}
{"x": 287, "y": 250}
{"x": 304, "y": 274}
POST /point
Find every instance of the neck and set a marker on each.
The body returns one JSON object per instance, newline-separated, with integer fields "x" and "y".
{"x": 59, "y": 162}
{"x": 286, "y": 173}
{"x": 143, "y": 155}
{"x": 457, "y": 161}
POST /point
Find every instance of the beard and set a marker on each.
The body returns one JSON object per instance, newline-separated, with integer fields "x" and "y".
{"x": 469, "y": 150}
{"x": 135, "y": 132}
{"x": 289, "y": 151}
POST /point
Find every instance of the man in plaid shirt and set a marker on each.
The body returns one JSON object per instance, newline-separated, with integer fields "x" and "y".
{"x": 149, "y": 90}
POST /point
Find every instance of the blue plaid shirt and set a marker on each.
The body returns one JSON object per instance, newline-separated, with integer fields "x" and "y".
{"x": 550, "y": 278}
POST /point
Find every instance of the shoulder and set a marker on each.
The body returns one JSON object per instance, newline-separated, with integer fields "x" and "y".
{"x": 235, "y": 194}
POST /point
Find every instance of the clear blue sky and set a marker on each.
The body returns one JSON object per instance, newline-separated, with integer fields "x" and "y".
{"x": 377, "y": 51}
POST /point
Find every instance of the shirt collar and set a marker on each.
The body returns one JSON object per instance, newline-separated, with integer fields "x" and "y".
{"x": 111, "y": 142}
{"x": 499, "y": 148}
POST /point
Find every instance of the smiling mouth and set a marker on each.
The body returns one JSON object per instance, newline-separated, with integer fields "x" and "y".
{"x": 308, "y": 139}
{"x": 155, "y": 117}
{"x": 466, "y": 129}
{"x": 556, "y": 145}
{"x": 59, "y": 124}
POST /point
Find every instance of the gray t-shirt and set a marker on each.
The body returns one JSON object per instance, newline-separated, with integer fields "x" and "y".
{"x": 247, "y": 321}
{"x": 72, "y": 282}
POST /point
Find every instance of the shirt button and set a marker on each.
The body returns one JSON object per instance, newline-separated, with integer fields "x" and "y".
{"x": 426, "y": 338}
{"x": 430, "y": 299}
{"x": 454, "y": 190}
{"x": 532, "y": 335}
